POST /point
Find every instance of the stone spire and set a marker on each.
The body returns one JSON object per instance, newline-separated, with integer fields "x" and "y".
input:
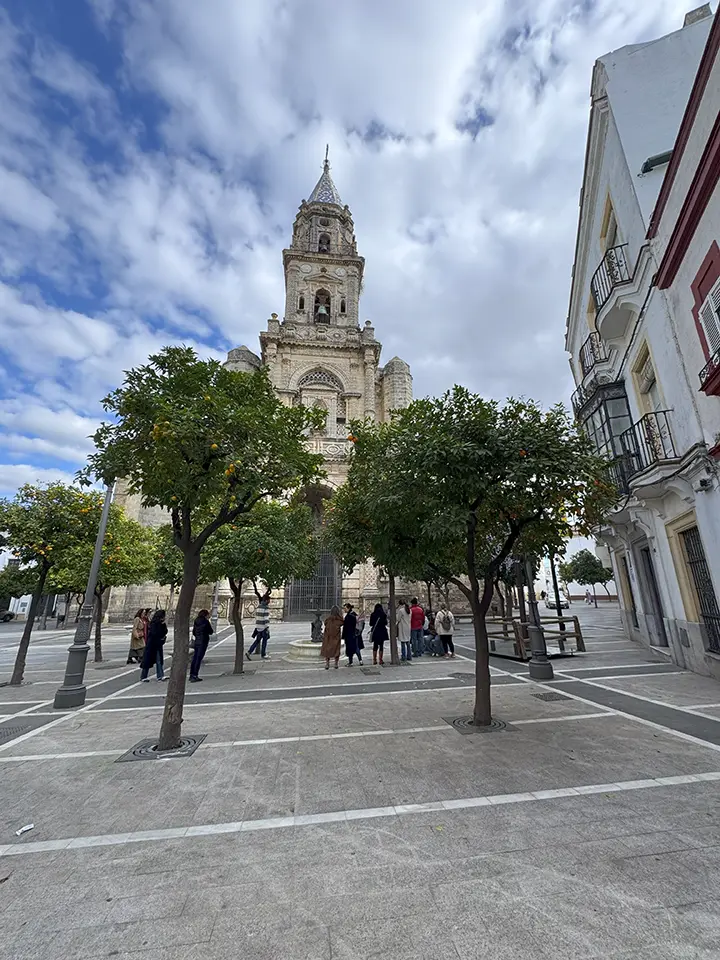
{"x": 325, "y": 190}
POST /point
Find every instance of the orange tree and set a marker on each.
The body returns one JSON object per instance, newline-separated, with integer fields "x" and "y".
{"x": 127, "y": 558}
{"x": 206, "y": 444}
{"x": 459, "y": 484}
{"x": 40, "y": 526}
{"x": 271, "y": 543}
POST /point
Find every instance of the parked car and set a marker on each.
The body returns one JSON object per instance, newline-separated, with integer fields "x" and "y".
{"x": 6, "y": 615}
{"x": 551, "y": 605}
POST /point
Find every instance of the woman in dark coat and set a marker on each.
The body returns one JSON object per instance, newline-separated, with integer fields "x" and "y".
{"x": 378, "y": 632}
{"x": 332, "y": 638}
{"x": 157, "y": 632}
{"x": 350, "y": 635}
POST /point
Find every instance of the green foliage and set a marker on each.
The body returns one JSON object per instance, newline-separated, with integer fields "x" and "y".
{"x": 565, "y": 572}
{"x": 586, "y": 569}
{"x": 271, "y": 543}
{"x": 42, "y": 524}
{"x": 16, "y": 582}
{"x": 127, "y": 558}
{"x": 167, "y": 558}
{"x": 460, "y": 483}
{"x": 188, "y": 433}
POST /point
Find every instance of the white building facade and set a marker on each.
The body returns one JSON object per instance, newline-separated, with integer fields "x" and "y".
{"x": 634, "y": 342}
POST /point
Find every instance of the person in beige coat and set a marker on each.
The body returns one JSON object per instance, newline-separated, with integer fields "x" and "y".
{"x": 137, "y": 639}
{"x": 332, "y": 638}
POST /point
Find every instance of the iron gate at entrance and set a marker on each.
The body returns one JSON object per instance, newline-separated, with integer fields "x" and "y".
{"x": 320, "y": 592}
{"x": 707, "y": 601}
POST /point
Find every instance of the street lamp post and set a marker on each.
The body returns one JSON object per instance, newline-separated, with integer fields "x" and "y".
{"x": 540, "y": 666}
{"x": 215, "y": 606}
{"x": 72, "y": 692}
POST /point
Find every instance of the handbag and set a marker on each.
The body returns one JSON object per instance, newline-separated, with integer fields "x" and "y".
{"x": 360, "y": 643}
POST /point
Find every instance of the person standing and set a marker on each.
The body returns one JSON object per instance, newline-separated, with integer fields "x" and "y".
{"x": 378, "y": 632}
{"x": 137, "y": 638}
{"x": 332, "y": 637}
{"x": 350, "y": 635}
{"x": 202, "y": 630}
{"x": 403, "y": 621}
{"x": 417, "y": 621}
{"x": 261, "y": 633}
{"x": 157, "y": 633}
{"x": 445, "y": 626}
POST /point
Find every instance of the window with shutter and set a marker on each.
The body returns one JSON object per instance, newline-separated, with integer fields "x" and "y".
{"x": 709, "y": 314}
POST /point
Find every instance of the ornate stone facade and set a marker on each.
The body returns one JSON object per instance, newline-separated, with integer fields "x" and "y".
{"x": 318, "y": 354}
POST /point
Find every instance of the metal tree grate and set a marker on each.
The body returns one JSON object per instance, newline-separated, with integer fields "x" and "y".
{"x": 147, "y": 750}
{"x": 9, "y": 733}
{"x": 549, "y": 696}
{"x": 465, "y": 725}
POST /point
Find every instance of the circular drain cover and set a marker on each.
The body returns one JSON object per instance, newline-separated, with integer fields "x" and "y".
{"x": 466, "y": 725}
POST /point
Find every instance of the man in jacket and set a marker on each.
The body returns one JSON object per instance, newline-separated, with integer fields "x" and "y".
{"x": 202, "y": 629}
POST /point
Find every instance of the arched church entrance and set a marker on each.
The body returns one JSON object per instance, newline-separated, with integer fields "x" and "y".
{"x": 324, "y": 588}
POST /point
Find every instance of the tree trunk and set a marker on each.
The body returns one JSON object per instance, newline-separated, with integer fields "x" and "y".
{"x": 236, "y": 616}
{"x": 19, "y": 668}
{"x": 482, "y": 712}
{"x": 594, "y": 595}
{"x": 170, "y": 601}
{"x": 47, "y": 607}
{"x": 170, "y": 729}
{"x": 605, "y": 588}
{"x": 98, "y": 613}
{"x": 429, "y": 593}
{"x": 392, "y": 604}
{"x": 503, "y": 609}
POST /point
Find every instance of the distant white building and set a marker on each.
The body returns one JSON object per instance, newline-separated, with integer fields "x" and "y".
{"x": 576, "y": 590}
{"x": 644, "y": 322}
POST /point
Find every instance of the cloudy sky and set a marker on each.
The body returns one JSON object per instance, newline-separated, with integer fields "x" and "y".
{"x": 153, "y": 155}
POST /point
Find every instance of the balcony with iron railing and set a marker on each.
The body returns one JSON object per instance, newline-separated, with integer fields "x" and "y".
{"x": 592, "y": 352}
{"x": 614, "y": 269}
{"x": 710, "y": 376}
{"x": 648, "y": 442}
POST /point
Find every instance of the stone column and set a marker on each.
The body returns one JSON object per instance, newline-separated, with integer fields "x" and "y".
{"x": 369, "y": 384}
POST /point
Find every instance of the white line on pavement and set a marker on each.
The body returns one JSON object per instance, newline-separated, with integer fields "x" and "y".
{"x": 620, "y": 676}
{"x": 613, "y": 666}
{"x": 348, "y": 816}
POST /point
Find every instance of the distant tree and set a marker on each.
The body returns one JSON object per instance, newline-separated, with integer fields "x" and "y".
{"x": 16, "y": 582}
{"x": 272, "y": 543}
{"x": 40, "y": 525}
{"x": 126, "y": 559}
{"x": 565, "y": 573}
{"x": 588, "y": 570}
{"x": 207, "y": 444}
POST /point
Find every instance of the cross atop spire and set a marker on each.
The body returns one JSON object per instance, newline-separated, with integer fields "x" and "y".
{"x": 325, "y": 190}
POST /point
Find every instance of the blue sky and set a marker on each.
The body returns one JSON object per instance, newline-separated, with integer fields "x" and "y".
{"x": 153, "y": 155}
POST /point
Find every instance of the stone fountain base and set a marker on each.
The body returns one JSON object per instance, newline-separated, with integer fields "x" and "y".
{"x": 307, "y": 650}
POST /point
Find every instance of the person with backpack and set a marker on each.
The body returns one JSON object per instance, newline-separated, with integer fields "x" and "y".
{"x": 417, "y": 620}
{"x": 378, "y": 632}
{"x": 445, "y": 627}
{"x": 202, "y": 629}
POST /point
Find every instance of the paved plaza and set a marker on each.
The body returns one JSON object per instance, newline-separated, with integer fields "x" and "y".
{"x": 340, "y": 816}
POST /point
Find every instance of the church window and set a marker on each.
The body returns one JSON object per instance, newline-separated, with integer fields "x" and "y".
{"x": 342, "y": 305}
{"x": 320, "y": 378}
{"x": 324, "y": 243}
{"x": 322, "y": 307}
{"x": 301, "y": 302}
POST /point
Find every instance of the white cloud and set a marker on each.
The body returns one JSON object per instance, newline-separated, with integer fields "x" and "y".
{"x": 167, "y": 224}
{"x": 14, "y": 475}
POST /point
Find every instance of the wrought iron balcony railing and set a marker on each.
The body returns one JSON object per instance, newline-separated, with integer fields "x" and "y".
{"x": 613, "y": 270}
{"x": 710, "y": 370}
{"x": 591, "y": 352}
{"x": 647, "y": 442}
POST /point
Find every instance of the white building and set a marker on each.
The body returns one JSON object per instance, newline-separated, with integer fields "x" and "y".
{"x": 635, "y": 343}
{"x": 575, "y": 590}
